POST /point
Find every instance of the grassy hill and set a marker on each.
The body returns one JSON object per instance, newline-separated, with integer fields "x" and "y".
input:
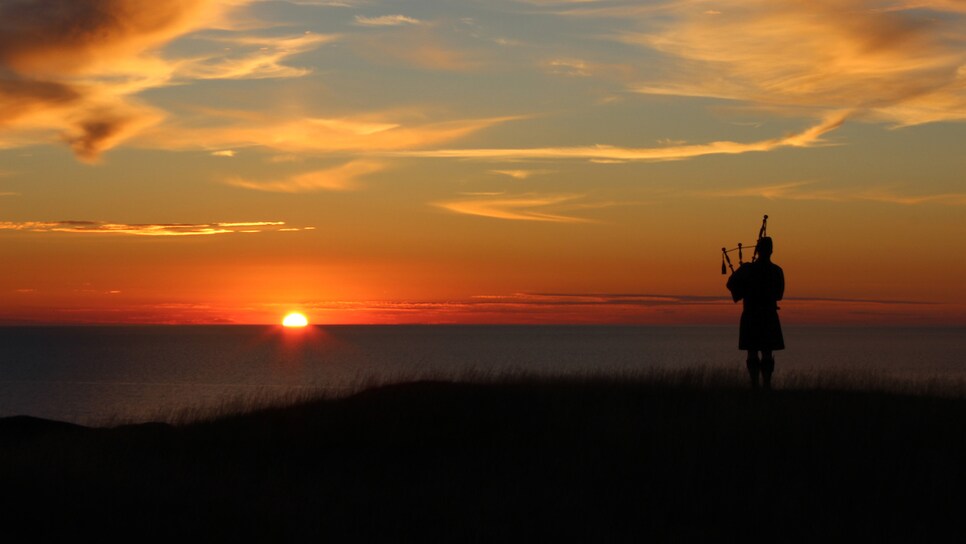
{"x": 578, "y": 459}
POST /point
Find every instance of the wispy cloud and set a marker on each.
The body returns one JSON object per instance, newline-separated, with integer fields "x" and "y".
{"x": 655, "y": 299}
{"x": 339, "y": 178}
{"x": 576, "y": 67}
{"x": 328, "y": 3}
{"x": 658, "y": 299}
{"x": 522, "y": 174}
{"x": 951, "y": 6}
{"x": 864, "y": 301}
{"x": 372, "y": 133}
{"x": 885, "y": 195}
{"x": 558, "y": 2}
{"x": 568, "y": 67}
{"x": 810, "y": 190}
{"x": 224, "y": 153}
{"x": 386, "y": 20}
{"x": 599, "y": 308}
{"x": 900, "y": 62}
{"x": 420, "y": 46}
{"x": 792, "y": 190}
{"x": 251, "y": 58}
{"x": 640, "y": 299}
{"x": 528, "y": 207}
{"x": 524, "y": 308}
{"x": 148, "y": 229}
{"x": 809, "y": 137}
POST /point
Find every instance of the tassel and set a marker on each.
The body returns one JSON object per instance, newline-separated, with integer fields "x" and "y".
{"x": 724, "y": 269}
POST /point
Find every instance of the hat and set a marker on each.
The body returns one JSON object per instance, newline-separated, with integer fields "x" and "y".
{"x": 764, "y": 245}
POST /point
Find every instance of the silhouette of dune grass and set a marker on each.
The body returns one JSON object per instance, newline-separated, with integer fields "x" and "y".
{"x": 688, "y": 455}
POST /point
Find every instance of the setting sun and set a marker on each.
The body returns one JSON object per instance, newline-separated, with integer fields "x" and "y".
{"x": 295, "y": 319}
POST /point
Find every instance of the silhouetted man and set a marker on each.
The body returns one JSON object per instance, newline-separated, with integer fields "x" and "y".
{"x": 761, "y": 285}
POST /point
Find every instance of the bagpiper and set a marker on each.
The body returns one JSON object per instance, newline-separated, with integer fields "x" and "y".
{"x": 760, "y": 284}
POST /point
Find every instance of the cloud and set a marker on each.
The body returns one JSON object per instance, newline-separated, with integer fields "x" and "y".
{"x": 327, "y": 3}
{"x": 55, "y": 37}
{"x": 807, "y": 190}
{"x": 575, "y": 67}
{"x": 568, "y": 67}
{"x": 600, "y": 9}
{"x": 370, "y": 134}
{"x": 573, "y": 308}
{"x": 148, "y": 229}
{"x": 864, "y": 301}
{"x": 900, "y": 62}
{"x": 557, "y": 2}
{"x": 419, "y": 46}
{"x": 339, "y": 178}
{"x": 524, "y": 300}
{"x": 522, "y": 308}
{"x": 669, "y": 141}
{"x": 224, "y": 153}
{"x": 522, "y": 174}
{"x": 952, "y": 6}
{"x": 657, "y": 299}
{"x": 528, "y": 207}
{"x": 255, "y": 58}
{"x": 20, "y": 97}
{"x": 793, "y": 190}
{"x": 890, "y": 197}
{"x": 386, "y": 20}
{"x": 809, "y": 137}
{"x": 72, "y": 70}
{"x": 102, "y": 129}
{"x": 70, "y": 66}
{"x": 636, "y": 299}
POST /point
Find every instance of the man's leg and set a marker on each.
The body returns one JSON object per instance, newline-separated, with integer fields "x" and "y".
{"x": 754, "y": 367}
{"x": 767, "y": 367}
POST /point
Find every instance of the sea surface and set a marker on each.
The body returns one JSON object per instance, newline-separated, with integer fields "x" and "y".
{"x": 105, "y": 374}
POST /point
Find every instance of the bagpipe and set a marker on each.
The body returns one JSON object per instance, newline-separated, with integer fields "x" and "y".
{"x": 726, "y": 260}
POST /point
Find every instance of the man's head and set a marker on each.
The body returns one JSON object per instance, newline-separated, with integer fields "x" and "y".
{"x": 764, "y": 247}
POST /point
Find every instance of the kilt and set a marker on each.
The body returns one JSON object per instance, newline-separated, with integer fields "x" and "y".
{"x": 760, "y": 329}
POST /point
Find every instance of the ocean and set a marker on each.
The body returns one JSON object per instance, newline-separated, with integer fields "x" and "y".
{"x": 101, "y": 375}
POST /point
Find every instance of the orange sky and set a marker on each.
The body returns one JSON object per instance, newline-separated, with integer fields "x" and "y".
{"x": 531, "y": 161}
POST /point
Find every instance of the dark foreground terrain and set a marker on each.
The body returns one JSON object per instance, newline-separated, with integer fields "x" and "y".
{"x": 589, "y": 460}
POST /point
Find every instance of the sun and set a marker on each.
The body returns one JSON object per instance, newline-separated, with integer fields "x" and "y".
{"x": 295, "y": 319}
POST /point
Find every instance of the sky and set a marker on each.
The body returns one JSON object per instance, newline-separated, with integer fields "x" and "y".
{"x": 479, "y": 161}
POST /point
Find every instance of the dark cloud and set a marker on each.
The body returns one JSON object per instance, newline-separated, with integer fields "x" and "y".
{"x": 54, "y": 55}
{"x": 19, "y": 97}
{"x": 65, "y": 35}
{"x": 94, "y": 135}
